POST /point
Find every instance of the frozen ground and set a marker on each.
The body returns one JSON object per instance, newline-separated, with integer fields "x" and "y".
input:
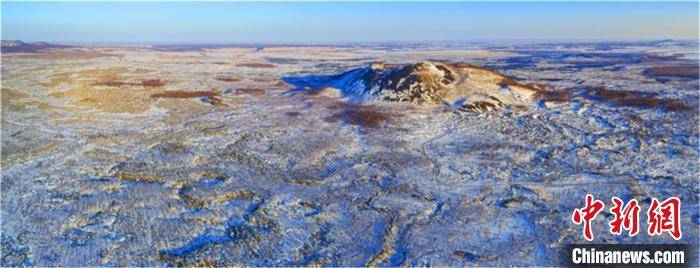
{"x": 202, "y": 156}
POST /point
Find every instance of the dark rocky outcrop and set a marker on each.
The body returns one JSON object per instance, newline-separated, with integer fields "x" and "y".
{"x": 425, "y": 83}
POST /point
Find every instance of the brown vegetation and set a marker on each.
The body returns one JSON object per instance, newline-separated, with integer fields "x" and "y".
{"x": 674, "y": 71}
{"x": 635, "y": 98}
{"x": 626, "y": 98}
{"x": 359, "y": 115}
{"x": 153, "y": 83}
{"x": 227, "y": 79}
{"x": 117, "y": 83}
{"x": 112, "y": 99}
{"x": 256, "y": 65}
{"x": 113, "y": 83}
{"x": 179, "y": 94}
{"x": 553, "y": 96}
{"x": 251, "y": 91}
{"x": 506, "y": 82}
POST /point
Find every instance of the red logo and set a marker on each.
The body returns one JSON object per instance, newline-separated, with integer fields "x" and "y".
{"x": 665, "y": 217}
{"x": 586, "y": 214}
{"x": 627, "y": 217}
{"x": 662, "y": 217}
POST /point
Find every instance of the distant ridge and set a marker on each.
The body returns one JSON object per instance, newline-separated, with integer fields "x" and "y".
{"x": 14, "y": 46}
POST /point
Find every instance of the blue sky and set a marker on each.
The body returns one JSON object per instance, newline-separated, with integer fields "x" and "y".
{"x": 231, "y": 22}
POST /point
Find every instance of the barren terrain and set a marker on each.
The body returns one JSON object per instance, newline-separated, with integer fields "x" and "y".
{"x": 186, "y": 155}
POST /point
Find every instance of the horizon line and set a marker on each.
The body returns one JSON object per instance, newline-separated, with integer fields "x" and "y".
{"x": 359, "y": 42}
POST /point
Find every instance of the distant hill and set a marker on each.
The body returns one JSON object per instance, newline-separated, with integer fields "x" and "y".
{"x": 10, "y": 46}
{"x": 465, "y": 85}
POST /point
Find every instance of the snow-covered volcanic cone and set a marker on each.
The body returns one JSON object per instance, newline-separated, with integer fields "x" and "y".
{"x": 426, "y": 83}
